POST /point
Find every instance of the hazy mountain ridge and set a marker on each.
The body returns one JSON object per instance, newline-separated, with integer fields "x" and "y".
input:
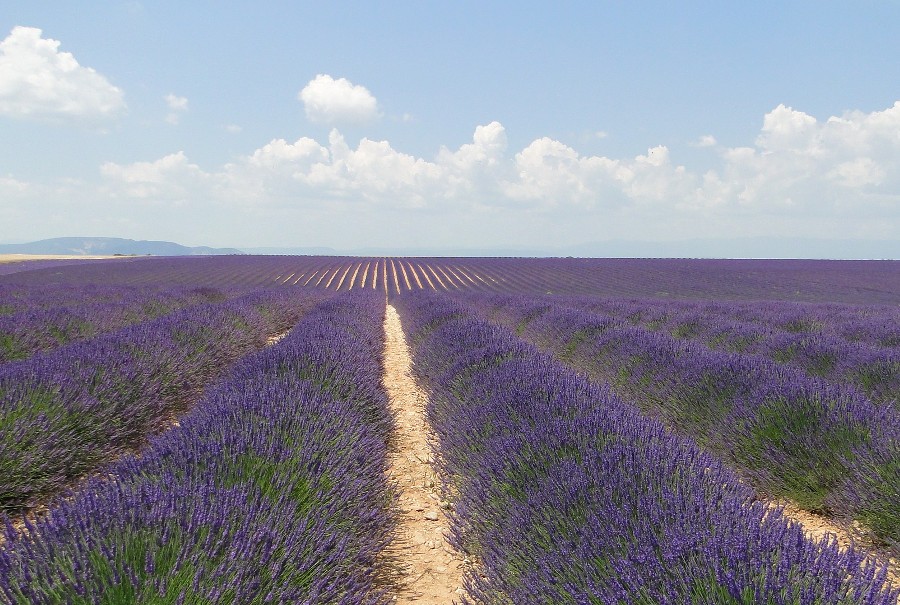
{"x": 746, "y": 247}
{"x": 102, "y": 246}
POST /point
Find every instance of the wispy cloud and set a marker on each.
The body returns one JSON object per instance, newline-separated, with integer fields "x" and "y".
{"x": 178, "y": 106}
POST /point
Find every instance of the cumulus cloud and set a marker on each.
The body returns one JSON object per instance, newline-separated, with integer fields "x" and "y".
{"x": 37, "y": 80}
{"x": 800, "y": 176}
{"x": 171, "y": 178}
{"x": 177, "y": 107}
{"x": 330, "y": 101}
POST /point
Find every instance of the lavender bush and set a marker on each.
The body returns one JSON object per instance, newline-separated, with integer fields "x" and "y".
{"x": 46, "y": 322}
{"x": 825, "y": 446}
{"x": 565, "y": 494}
{"x": 62, "y": 413}
{"x": 272, "y": 490}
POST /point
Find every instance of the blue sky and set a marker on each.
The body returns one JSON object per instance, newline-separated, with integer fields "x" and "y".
{"x": 450, "y": 125}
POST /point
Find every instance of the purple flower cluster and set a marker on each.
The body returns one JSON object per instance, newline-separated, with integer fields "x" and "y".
{"x": 271, "y": 490}
{"x": 64, "y": 412}
{"x": 33, "y": 265}
{"x": 858, "y": 345}
{"x": 565, "y": 494}
{"x": 867, "y": 282}
{"x": 823, "y": 445}
{"x": 34, "y": 319}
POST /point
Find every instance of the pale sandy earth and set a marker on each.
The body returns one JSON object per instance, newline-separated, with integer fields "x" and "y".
{"x": 817, "y": 527}
{"x": 15, "y": 258}
{"x": 432, "y": 570}
{"x": 275, "y": 338}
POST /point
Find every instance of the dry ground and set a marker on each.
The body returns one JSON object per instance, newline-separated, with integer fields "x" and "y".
{"x": 431, "y": 569}
{"x": 15, "y": 258}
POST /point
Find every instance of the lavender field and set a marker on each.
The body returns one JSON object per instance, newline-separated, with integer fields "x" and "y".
{"x": 668, "y": 431}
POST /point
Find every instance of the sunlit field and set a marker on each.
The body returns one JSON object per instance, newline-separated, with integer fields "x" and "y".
{"x": 226, "y": 430}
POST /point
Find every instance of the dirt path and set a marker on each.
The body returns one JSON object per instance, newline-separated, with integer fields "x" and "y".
{"x": 817, "y": 527}
{"x": 432, "y": 569}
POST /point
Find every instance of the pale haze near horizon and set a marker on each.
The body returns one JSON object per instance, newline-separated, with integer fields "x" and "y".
{"x": 510, "y": 125}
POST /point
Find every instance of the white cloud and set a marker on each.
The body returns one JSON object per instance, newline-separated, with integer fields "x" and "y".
{"x": 233, "y": 128}
{"x": 12, "y": 186}
{"x": 171, "y": 178}
{"x": 706, "y": 140}
{"x": 797, "y": 165}
{"x": 801, "y": 176}
{"x": 177, "y": 106}
{"x": 36, "y": 80}
{"x": 858, "y": 173}
{"x": 330, "y": 101}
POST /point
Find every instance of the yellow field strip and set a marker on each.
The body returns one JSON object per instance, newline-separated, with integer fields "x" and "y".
{"x": 415, "y": 275}
{"x": 365, "y": 275}
{"x": 321, "y": 277}
{"x": 336, "y": 271}
{"x": 352, "y": 279}
{"x": 449, "y": 279}
{"x": 424, "y": 274}
{"x": 374, "y": 276}
{"x": 436, "y": 277}
{"x": 396, "y": 277}
{"x": 479, "y": 278}
{"x": 492, "y": 278}
{"x": 344, "y": 275}
{"x": 456, "y": 275}
{"x": 308, "y": 279}
{"x": 405, "y": 276}
{"x": 466, "y": 275}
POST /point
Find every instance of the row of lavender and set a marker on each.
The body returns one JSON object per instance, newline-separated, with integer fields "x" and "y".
{"x": 64, "y": 412}
{"x": 271, "y": 490}
{"x": 17, "y": 266}
{"x": 865, "y": 282}
{"x": 823, "y": 445}
{"x": 869, "y": 324}
{"x": 34, "y": 319}
{"x": 565, "y": 494}
{"x": 859, "y": 345}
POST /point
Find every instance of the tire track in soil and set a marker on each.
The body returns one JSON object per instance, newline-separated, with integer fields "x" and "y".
{"x": 431, "y": 569}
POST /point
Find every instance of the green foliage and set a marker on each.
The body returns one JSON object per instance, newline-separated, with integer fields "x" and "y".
{"x": 11, "y": 349}
{"x": 803, "y": 474}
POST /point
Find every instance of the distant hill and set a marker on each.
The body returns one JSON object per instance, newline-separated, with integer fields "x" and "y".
{"x": 102, "y": 246}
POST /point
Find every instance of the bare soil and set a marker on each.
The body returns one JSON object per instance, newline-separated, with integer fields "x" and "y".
{"x": 816, "y": 527}
{"x": 431, "y": 570}
{"x": 15, "y": 258}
